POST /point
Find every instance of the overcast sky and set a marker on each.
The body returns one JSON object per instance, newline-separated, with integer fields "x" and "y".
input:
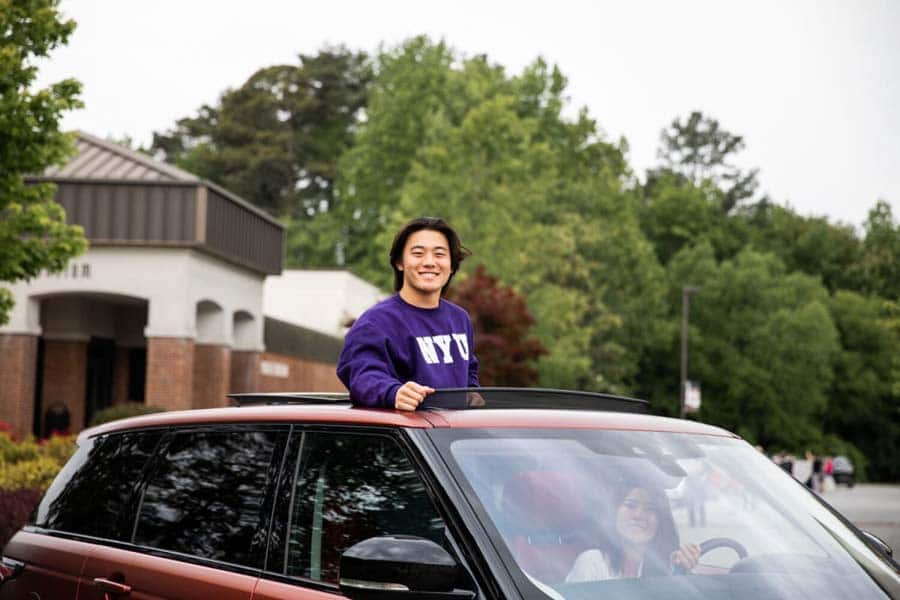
{"x": 812, "y": 85}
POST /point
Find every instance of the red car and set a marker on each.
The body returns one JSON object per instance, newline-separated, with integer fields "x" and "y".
{"x": 484, "y": 494}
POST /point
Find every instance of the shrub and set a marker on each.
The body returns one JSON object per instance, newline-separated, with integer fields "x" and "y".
{"x": 26, "y": 469}
{"x": 59, "y": 448}
{"x": 14, "y": 452}
{"x": 15, "y": 508}
{"x": 36, "y": 473}
{"x": 122, "y": 411}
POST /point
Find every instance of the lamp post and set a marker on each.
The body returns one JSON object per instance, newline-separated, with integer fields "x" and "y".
{"x": 686, "y": 292}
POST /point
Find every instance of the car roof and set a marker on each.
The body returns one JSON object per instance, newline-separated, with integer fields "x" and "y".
{"x": 339, "y": 413}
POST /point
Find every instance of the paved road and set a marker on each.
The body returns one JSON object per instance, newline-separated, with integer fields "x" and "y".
{"x": 875, "y": 508}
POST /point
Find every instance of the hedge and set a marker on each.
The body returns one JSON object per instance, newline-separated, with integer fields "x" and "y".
{"x": 26, "y": 469}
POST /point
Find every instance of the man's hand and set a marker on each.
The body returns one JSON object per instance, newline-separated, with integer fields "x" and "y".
{"x": 410, "y": 395}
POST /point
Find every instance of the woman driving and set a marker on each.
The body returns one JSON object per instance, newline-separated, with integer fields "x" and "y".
{"x": 641, "y": 541}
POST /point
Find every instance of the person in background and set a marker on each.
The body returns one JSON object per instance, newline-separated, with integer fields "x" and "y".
{"x": 403, "y": 348}
{"x": 642, "y": 540}
{"x": 818, "y": 475}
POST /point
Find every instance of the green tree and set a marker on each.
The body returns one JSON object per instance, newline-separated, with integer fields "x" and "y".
{"x": 762, "y": 342}
{"x": 412, "y": 84}
{"x": 808, "y": 244}
{"x": 879, "y": 266}
{"x": 676, "y": 213}
{"x": 33, "y": 231}
{"x": 863, "y": 405}
{"x": 698, "y": 148}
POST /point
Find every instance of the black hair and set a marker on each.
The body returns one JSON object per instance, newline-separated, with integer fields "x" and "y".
{"x": 458, "y": 252}
{"x": 660, "y": 548}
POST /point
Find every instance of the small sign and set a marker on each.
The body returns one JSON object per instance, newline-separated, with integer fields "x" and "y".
{"x": 71, "y": 271}
{"x": 691, "y": 396}
{"x": 270, "y": 368}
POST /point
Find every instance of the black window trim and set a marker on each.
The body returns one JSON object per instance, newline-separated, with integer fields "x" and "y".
{"x": 478, "y": 548}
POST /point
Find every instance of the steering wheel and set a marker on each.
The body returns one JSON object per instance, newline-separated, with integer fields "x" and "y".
{"x": 712, "y": 544}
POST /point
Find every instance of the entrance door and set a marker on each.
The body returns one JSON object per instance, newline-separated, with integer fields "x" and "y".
{"x": 100, "y": 356}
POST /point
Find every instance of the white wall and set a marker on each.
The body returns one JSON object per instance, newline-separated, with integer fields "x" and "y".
{"x": 172, "y": 280}
{"x": 318, "y": 299}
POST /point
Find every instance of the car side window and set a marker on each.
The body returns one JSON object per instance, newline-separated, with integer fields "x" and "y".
{"x": 93, "y": 495}
{"x": 350, "y": 487}
{"x": 206, "y": 493}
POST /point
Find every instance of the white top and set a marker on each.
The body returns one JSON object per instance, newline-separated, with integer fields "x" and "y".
{"x": 594, "y": 565}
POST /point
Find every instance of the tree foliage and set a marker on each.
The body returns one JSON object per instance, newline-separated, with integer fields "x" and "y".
{"x": 33, "y": 232}
{"x": 698, "y": 149}
{"x": 502, "y": 321}
{"x": 762, "y": 344}
{"x": 864, "y": 404}
{"x": 808, "y": 244}
{"x": 879, "y": 265}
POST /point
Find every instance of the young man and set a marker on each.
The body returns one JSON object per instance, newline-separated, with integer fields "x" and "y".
{"x": 404, "y": 347}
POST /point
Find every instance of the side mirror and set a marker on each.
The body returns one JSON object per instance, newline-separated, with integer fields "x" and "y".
{"x": 400, "y": 567}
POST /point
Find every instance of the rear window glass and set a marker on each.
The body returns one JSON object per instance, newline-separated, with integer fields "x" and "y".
{"x": 205, "y": 495}
{"x": 93, "y": 494}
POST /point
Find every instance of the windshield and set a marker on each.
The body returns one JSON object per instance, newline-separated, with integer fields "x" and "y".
{"x": 636, "y": 514}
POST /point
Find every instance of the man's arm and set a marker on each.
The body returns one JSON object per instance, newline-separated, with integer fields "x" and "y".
{"x": 366, "y": 369}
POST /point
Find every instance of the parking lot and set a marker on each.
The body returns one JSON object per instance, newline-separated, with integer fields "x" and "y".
{"x": 873, "y": 507}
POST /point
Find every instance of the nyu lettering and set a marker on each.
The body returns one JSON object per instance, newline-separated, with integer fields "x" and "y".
{"x": 429, "y": 345}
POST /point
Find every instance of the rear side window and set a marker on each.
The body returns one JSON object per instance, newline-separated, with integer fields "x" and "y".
{"x": 206, "y": 492}
{"x": 350, "y": 487}
{"x": 94, "y": 493}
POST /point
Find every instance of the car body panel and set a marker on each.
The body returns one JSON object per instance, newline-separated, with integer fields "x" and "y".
{"x": 156, "y": 577}
{"x": 53, "y": 566}
{"x": 267, "y": 589}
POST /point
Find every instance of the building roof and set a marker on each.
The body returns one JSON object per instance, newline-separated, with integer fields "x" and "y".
{"x": 99, "y": 159}
{"x": 122, "y": 197}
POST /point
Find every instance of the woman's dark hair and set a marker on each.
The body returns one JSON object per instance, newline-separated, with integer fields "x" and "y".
{"x": 659, "y": 551}
{"x": 458, "y": 252}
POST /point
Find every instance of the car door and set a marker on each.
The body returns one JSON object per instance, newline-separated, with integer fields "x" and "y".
{"x": 341, "y": 487}
{"x": 202, "y": 517}
{"x": 50, "y": 567}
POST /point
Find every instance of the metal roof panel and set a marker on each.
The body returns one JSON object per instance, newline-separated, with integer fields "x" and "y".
{"x": 97, "y": 158}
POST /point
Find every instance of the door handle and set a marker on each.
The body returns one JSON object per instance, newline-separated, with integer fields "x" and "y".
{"x": 111, "y": 588}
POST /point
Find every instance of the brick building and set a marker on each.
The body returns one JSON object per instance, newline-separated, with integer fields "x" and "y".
{"x": 165, "y": 308}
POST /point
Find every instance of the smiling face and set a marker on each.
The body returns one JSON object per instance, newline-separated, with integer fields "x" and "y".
{"x": 636, "y": 517}
{"x": 426, "y": 267}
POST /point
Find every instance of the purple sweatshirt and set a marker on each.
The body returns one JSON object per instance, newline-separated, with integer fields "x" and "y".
{"x": 394, "y": 342}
